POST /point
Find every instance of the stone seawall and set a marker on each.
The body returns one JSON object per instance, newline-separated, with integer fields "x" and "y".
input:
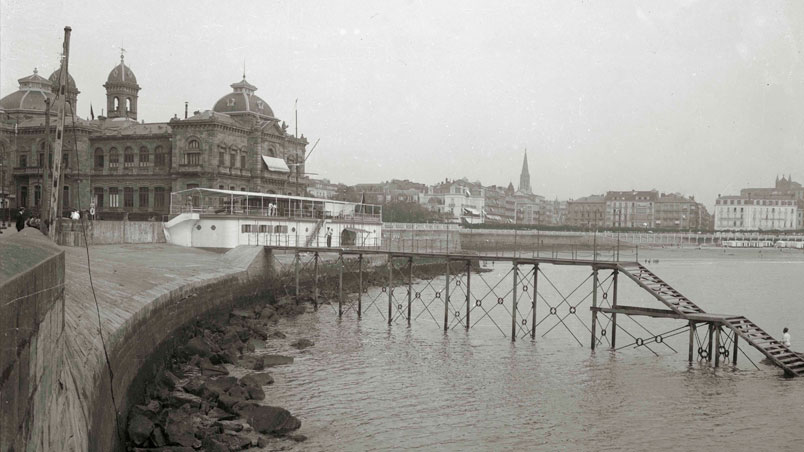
{"x": 110, "y": 232}
{"x": 31, "y": 328}
{"x": 493, "y": 239}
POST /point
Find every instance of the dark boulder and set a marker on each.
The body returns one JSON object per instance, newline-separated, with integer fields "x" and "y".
{"x": 139, "y": 429}
{"x": 276, "y": 360}
{"x": 303, "y": 343}
{"x": 269, "y": 419}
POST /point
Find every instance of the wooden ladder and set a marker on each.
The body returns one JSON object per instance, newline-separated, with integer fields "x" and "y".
{"x": 663, "y": 292}
{"x": 782, "y": 356}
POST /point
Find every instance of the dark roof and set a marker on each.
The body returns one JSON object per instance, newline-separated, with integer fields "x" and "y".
{"x": 121, "y": 74}
{"x": 243, "y": 100}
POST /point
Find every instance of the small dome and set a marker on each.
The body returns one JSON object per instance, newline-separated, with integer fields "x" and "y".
{"x": 54, "y": 80}
{"x": 243, "y": 100}
{"x": 34, "y": 89}
{"x": 121, "y": 74}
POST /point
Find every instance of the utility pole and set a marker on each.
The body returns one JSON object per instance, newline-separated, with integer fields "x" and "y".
{"x": 60, "y": 98}
{"x": 46, "y": 219}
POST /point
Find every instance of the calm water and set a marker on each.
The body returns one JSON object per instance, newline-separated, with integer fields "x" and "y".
{"x": 368, "y": 386}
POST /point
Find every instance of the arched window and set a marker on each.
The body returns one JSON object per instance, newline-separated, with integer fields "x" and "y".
{"x": 128, "y": 104}
{"x": 193, "y": 154}
{"x": 271, "y": 152}
{"x": 160, "y": 157}
{"x": 116, "y": 102}
{"x": 145, "y": 156}
{"x": 114, "y": 158}
{"x": 232, "y": 157}
{"x": 128, "y": 157}
{"x": 99, "y": 158}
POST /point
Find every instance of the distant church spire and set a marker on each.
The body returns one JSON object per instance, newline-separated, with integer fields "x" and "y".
{"x": 524, "y": 178}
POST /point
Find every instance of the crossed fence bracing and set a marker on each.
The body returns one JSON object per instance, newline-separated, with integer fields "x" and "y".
{"x": 523, "y": 301}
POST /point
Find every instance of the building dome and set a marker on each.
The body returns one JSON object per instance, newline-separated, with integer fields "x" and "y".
{"x": 243, "y": 100}
{"x": 34, "y": 89}
{"x": 121, "y": 74}
{"x": 54, "y": 81}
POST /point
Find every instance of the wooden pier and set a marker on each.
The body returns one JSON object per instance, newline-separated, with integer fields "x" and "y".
{"x": 522, "y": 299}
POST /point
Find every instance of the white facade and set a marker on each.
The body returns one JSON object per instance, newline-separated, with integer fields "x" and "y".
{"x": 736, "y": 213}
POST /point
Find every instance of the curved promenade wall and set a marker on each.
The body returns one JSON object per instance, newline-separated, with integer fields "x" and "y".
{"x": 56, "y": 386}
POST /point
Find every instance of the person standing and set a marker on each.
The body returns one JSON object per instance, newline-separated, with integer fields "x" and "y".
{"x": 786, "y": 337}
{"x": 20, "y": 219}
{"x": 329, "y": 237}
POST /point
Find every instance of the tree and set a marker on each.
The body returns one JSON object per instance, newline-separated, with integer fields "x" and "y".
{"x": 408, "y": 212}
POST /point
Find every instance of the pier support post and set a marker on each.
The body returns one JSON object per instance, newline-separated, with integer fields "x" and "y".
{"x": 446, "y": 298}
{"x": 614, "y": 314}
{"x": 736, "y": 349}
{"x": 359, "y": 286}
{"x": 468, "y": 290}
{"x": 296, "y": 272}
{"x": 717, "y": 346}
{"x": 513, "y": 305}
{"x": 535, "y": 300}
{"x": 709, "y": 348}
{"x": 315, "y": 283}
{"x": 594, "y": 305}
{"x": 340, "y": 287}
{"x": 390, "y": 286}
{"x": 692, "y": 340}
{"x": 410, "y": 286}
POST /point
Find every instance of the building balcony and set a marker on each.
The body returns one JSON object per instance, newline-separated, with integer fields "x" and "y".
{"x": 187, "y": 168}
{"x": 28, "y": 171}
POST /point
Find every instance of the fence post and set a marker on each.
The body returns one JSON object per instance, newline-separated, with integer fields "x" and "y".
{"x": 359, "y": 286}
{"x": 315, "y": 284}
{"x": 535, "y": 299}
{"x": 614, "y": 314}
{"x": 340, "y": 287}
{"x": 446, "y": 299}
{"x": 468, "y": 290}
{"x": 692, "y": 340}
{"x": 410, "y": 285}
{"x": 296, "y": 271}
{"x": 390, "y": 285}
{"x": 513, "y": 306}
{"x": 594, "y": 306}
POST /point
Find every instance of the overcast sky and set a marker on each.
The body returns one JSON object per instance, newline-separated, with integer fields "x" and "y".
{"x": 697, "y": 97}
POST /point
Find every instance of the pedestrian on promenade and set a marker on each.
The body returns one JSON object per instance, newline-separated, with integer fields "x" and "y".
{"x": 329, "y": 237}
{"x": 786, "y": 337}
{"x": 20, "y": 219}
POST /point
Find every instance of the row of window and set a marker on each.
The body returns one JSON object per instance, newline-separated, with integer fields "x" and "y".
{"x": 264, "y": 228}
{"x": 130, "y": 159}
{"x": 37, "y": 201}
{"x": 758, "y": 202}
{"x": 40, "y": 161}
{"x": 111, "y": 197}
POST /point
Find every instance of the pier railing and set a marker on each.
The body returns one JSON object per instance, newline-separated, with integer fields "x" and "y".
{"x": 521, "y": 299}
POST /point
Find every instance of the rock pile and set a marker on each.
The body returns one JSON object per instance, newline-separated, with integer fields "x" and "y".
{"x": 194, "y": 404}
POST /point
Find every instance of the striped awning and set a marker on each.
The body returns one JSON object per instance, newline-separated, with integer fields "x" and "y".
{"x": 275, "y": 164}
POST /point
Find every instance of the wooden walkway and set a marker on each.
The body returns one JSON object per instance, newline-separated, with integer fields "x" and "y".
{"x": 678, "y": 306}
{"x": 774, "y": 350}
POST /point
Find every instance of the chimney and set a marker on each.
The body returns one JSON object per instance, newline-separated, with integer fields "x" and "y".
{"x": 185, "y": 110}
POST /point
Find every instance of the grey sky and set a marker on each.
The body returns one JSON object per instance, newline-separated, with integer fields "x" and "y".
{"x": 696, "y": 97}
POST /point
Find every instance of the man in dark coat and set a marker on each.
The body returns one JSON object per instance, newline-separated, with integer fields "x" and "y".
{"x": 20, "y": 219}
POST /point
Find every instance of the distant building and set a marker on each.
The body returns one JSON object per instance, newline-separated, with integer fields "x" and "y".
{"x": 780, "y": 208}
{"x": 321, "y": 188}
{"x": 630, "y": 209}
{"x": 460, "y": 199}
{"x": 394, "y": 190}
{"x": 677, "y": 212}
{"x": 587, "y": 212}
{"x": 497, "y": 209}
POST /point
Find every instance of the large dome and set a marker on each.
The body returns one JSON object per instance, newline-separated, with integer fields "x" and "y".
{"x": 34, "y": 89}
{"x": 243, "y": 100}
{"x": 54, "y": 80}
{"x": 121, "y": 74}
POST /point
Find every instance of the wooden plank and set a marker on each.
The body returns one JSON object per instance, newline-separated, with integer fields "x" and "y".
{"x": 640, "y": 311}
